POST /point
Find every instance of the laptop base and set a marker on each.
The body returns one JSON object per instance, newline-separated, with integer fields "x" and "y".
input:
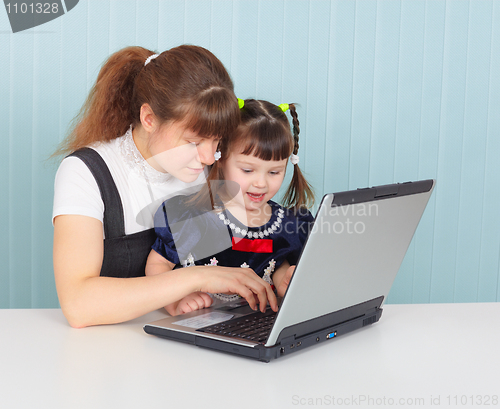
{"x": 286, "y": 346}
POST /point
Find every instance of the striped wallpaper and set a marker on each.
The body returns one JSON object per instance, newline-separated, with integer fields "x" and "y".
{"x": 389, "y": 91}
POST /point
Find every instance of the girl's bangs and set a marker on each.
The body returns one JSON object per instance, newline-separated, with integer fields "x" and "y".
{"x": 266, "y": 142}
{"x": 214, "y": 113}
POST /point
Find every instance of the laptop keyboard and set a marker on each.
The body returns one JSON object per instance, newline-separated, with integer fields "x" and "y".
{"x": 254, "y": 327}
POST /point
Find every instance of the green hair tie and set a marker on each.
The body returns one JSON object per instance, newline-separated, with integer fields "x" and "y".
{"x": 284, "y": 107}
{"x": 241, "y": 103}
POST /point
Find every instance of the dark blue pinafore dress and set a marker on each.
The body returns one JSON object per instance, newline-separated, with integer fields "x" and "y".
{"x": 124, "y": 255}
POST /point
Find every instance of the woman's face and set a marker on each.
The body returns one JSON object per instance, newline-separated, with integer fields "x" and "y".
{"x": 180, "y": 151}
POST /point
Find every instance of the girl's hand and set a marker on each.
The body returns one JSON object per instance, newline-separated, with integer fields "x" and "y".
{"x": 283, "y": 285}
{"x": 192, "y": 302}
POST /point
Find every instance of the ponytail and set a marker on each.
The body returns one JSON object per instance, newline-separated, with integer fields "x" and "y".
{"x": 106, "y": 113}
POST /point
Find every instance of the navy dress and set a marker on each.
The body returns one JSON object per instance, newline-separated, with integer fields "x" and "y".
{"x": 124, "y": 255}
{"x": 189, "y": 235}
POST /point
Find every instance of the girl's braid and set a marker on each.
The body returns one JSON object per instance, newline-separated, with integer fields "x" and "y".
{"x": 296, "y": 129}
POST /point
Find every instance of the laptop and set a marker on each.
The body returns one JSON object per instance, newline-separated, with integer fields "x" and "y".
{"x": 343, "y": 276}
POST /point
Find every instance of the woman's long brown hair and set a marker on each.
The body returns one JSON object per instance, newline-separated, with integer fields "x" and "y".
{"x": 187, "y": 83}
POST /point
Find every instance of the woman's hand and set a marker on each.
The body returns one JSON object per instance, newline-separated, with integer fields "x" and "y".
{"x": 237, "y": 280}
{"x": 215, "y": 279}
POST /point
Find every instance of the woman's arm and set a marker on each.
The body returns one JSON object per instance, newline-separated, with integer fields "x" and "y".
{"x": 88, "y": 299}
{"x": 158, "y": 264}
{"x": 155, "y": 265}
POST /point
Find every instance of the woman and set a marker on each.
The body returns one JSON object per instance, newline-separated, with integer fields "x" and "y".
{"x": 152, "y": 123}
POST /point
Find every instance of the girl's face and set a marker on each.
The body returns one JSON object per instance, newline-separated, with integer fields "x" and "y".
{"x": 181, "y": 152}
{"x": 258, "y": 179}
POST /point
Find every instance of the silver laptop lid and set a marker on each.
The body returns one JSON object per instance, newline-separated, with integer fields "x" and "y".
{"x": 354, "y": 251}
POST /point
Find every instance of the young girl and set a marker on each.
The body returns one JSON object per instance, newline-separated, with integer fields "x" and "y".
{"x": 148, "y": 128}
{"x": 242, "y": 226}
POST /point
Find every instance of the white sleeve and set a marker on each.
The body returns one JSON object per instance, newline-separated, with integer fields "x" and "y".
{"x": 76, "y": 191}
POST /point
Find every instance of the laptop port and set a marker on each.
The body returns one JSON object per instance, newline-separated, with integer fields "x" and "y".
{"x": 299, "y": 344}
{"x": 282, "y": 350}
{"x": 331, "y": 335}
{"x": 292, "y": 346}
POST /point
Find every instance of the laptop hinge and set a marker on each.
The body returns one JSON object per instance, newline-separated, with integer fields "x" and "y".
{"x": 287, "y": 340}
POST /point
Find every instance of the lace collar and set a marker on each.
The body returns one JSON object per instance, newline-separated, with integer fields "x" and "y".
{"x": 137, "y": 163}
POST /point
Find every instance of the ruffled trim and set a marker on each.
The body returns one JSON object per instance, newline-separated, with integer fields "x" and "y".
{"x": 136, "y": 163}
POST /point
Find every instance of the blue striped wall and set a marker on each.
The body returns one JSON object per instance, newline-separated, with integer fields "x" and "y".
{"x": 389, "y": 91}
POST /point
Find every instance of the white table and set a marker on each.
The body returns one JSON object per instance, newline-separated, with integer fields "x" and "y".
{"x": 428, "y": 355}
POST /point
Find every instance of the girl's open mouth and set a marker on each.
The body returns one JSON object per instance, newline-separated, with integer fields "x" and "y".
{"x": 256, "y": 197}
